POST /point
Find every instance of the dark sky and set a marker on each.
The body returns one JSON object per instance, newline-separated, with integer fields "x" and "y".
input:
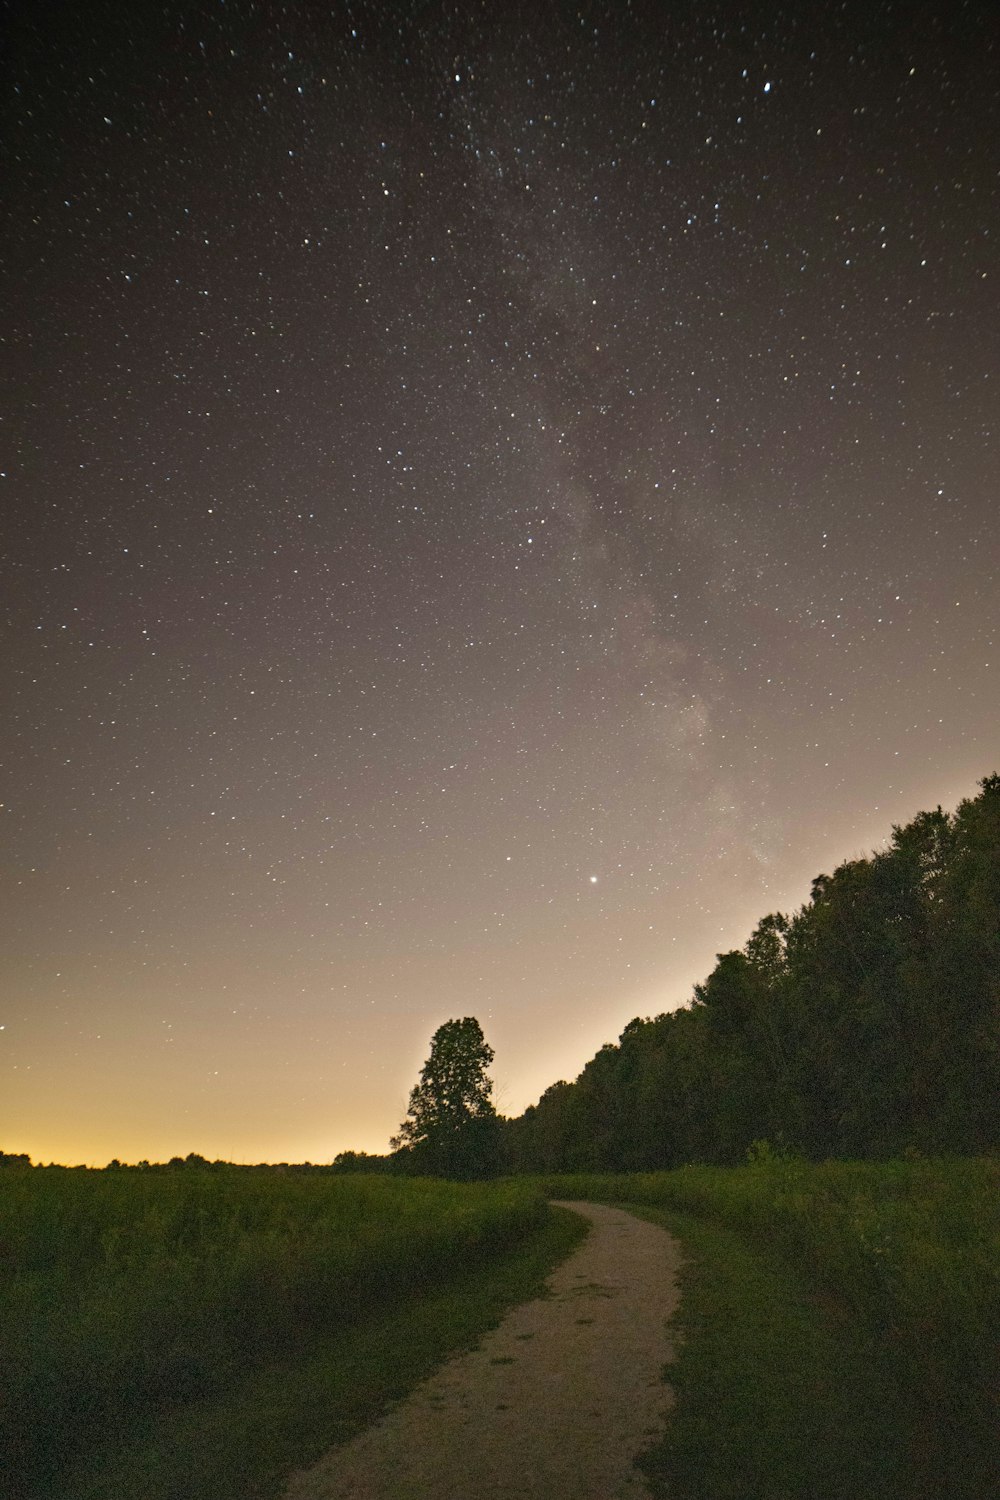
{"x": 496, "y": 498}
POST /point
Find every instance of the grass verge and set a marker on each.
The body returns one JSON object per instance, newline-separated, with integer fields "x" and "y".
{"x": 841, "y": 1325}
{"x": 242, "y": 1444}
{"x": 776, "y": 1399}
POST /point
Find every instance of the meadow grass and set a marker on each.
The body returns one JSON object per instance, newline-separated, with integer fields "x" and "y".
{"x": 180, "y": 1335}
{"x": 132, "y": 1301}
{"x": 243, "y": 1441}
{"x": 840, "y": 1327}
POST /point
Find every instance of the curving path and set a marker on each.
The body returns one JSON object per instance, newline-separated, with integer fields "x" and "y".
{"x": 556, "y": 1402}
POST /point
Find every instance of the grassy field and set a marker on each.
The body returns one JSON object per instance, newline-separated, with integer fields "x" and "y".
{"x": 194, "y": 1334}
{"x": 840, "y": 1325}
{"x": 153, "y": 1325}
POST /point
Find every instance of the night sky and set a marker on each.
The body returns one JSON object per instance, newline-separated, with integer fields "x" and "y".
{"x": 495, "y": 498}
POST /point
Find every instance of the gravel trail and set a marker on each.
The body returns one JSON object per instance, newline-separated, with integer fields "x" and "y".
{"x": 556, "y": 1402}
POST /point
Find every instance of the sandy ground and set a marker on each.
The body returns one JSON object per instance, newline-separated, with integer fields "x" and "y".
{"x": 556, "y": 1402}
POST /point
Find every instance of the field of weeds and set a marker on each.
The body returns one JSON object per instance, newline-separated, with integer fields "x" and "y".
{"x": 126, "y": 1293}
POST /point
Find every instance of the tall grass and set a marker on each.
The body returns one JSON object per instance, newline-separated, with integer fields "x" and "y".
{"x": 906, "y": 1255}
{"x": 122, "y": 1293}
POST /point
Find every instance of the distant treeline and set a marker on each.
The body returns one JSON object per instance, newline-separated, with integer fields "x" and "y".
{"x": 194, "y": 1162}
{"x": 864, "y": 1026}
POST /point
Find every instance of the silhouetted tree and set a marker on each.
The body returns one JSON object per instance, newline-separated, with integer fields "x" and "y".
{"x": 360, "y": 1161}
{"x": 867, "y": 1023}
{"x": 451, "y": 1127}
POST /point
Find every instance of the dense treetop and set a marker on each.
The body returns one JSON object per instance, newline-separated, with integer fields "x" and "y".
{"x": 865, "y": 1024}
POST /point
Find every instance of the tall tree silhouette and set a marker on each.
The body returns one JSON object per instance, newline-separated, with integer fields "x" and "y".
{"x": 450, "y": 1128}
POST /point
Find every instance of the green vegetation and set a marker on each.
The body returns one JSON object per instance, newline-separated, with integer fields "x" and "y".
{"x": 242, "y": 1442}
{"x": 840, "y": 1327}
{"x": 139, "y": 1303}
{"x": 866, "y": 1024}
{"x": 451, "y": 1127}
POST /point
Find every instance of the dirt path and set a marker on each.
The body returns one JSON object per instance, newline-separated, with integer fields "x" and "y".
{"x": 556, "y": 1402}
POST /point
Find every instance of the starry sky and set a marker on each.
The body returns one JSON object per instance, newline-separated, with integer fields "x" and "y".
{"x": 495, "y": 498}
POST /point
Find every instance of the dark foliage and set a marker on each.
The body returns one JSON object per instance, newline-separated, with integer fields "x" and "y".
{"x": 361, "y": 1162}
{"x": 451, "y": 1128}
{"x": 865, "y": 1025}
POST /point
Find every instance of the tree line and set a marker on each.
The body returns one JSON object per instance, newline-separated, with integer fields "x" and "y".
{"x": 865, "y": 1025}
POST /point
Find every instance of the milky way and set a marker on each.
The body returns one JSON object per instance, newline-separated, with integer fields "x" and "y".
{"x": 497, "y": 497}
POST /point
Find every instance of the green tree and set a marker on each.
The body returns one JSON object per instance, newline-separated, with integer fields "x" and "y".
{"x": 359, "y": 1161}
{"x": 451, "y": 1127}
{"x": 867, "y": 1023}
